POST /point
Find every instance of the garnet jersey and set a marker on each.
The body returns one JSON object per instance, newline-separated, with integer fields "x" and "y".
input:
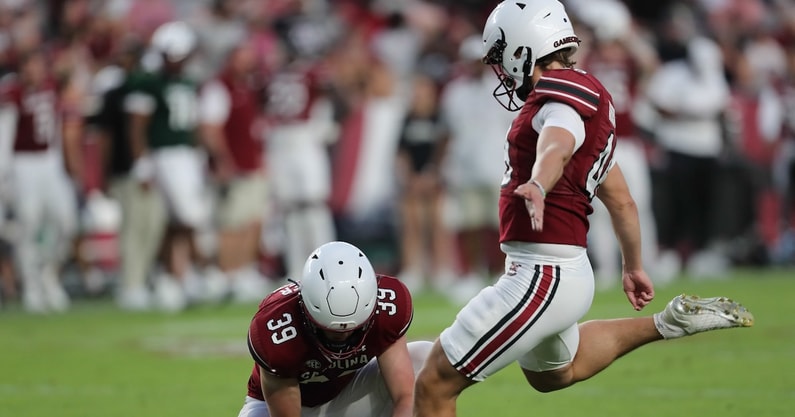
{"x": 236, "y": 105}
{"x": 292, "y": 93}
{"x": 280, "y": 342}
{"x": 568, "y": 203}
{"x": 38, "y": 121}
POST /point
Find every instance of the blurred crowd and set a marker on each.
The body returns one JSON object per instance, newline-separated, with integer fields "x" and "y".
{"x": 173, "y": 153}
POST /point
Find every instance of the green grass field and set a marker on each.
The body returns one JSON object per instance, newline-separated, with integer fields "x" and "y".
{"x": 97, "y": 361}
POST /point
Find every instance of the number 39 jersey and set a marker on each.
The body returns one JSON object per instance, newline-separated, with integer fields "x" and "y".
{"x": 281, "y": 343}
{"x": 568, "y": 203}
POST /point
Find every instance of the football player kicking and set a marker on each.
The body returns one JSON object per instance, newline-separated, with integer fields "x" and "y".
{"x": 334, "y": 344}
{"x": 559, "y": 157}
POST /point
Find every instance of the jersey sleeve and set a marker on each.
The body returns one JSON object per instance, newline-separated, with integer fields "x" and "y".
{"x": 257, "y": 345}
{"x": 570, "y": 87}
{"x": 395, "y": 309}
{"x": 256, "y": 351}
{"x": 275, "y": 339}
{"x": 557, "y": 114}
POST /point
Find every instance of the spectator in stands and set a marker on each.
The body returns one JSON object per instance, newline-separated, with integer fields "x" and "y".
{"x": 425, "y": 244}
{"x": 364, "y": 183}
{"x": 688, "y": 97}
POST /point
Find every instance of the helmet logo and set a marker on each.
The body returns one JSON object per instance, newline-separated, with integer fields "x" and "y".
{"x": 568, "y": 39}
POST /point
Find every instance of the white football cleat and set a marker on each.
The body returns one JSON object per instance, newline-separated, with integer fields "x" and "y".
{"x": 689, "y": 314}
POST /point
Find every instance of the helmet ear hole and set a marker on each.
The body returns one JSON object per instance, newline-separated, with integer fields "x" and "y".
{"x": 494, "y": 55}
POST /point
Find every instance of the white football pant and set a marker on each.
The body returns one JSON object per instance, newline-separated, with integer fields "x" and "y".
{"x": 528, "y": 316}
{"x": 46, "y": 208}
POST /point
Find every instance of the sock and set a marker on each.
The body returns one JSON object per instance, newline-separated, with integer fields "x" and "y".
{"x": 667, "y": 330}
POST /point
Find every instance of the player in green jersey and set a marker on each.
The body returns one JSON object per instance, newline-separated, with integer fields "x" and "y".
{"x": 163, "y": 109}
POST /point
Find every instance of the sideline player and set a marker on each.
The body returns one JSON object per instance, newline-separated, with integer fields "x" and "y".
{"x": 334, "y": 344}
{"x": 163, "y": 120}
{"x": 231, "y": 131}
{"x": 558, "y": 157}
{"x": 302, "y": 126}
{"x": 44, "y": 199}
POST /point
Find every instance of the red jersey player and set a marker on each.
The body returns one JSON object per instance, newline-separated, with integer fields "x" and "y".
{"x": 45, "y": 201}
{"x": 334, "y": 344}
{"x": 558, "y": 157}
{"x": 231, "y": 129}
{"x": 301, "y": 126}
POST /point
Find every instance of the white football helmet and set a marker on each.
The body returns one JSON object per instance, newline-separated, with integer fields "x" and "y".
{"x": 175, "y": 40}
{"x": 338, "y": 294}
{"x": 519, "y": 32}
